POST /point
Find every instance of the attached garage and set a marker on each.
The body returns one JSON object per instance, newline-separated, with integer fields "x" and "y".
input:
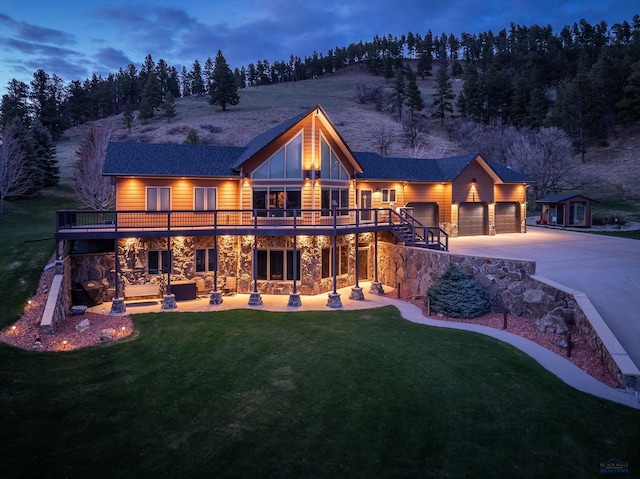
{"x": 425, "y": 213}
{"x": 472, "y": 219}
{"x": 507, "y": 216}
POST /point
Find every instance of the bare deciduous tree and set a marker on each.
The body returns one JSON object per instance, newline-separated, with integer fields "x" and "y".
{"x": 383, "y": 140}
{"x": 92, "y": 189}
{"x": 14, "y": 175}
{"x": 544, "y": 155}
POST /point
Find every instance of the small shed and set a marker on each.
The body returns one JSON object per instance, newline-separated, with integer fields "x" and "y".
{"x": 566, "y": 210}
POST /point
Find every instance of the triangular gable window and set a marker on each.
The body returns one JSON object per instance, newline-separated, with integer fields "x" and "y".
{"x": 330, "y": 166}
{"x": 284, "y": 163}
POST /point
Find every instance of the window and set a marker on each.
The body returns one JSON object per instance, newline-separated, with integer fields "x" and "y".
{"x": 274, "y": 263}
{"x": 578, "y": 213}
{"x": 342, "y": 261}
{"x": 330, "y": 165}
{"x": 206, "y": 260}
{"x": 339, "y": 195}
{"x": 285, "y": 163}
{"x": 204, "y": 199}
{"x": 158, "y": 261}
{"x": 276, "y": 198}
{"x": 158, "y": 198}
{"x": 388, "y": 196}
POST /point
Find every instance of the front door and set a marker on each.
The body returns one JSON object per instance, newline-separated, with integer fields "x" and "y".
{"x": 365, "y": 205}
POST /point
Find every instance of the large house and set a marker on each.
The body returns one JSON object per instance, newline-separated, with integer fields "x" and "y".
{"x": 293, "y": 212}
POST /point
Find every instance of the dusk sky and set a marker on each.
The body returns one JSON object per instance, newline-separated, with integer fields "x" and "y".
{"x": 75, "y": 39}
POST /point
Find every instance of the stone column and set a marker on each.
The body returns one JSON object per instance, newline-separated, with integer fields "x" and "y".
{"x": 356, "y": 294}
{"x": 255, "y": 299}
{"x": 169, "y": 302}
{"x": 216, "y": 297}
{"x": 118, "y": 306}
{"x": 294, "y": 300}
{"x": 333, "y": 301}
{"x": 376, "y": 288}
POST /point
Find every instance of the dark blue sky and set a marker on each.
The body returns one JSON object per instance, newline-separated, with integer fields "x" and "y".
{"x": 75, "y": 38}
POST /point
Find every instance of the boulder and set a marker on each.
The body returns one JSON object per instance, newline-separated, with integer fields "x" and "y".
{"x": 107, "y": 335}
{"x": 82, "y": 325}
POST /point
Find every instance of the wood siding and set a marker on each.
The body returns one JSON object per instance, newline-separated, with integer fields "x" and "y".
{"x": 465, "y": 190}
{"x": 131, "y": 193}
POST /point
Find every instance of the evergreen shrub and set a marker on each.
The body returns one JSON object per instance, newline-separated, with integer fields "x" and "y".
{"x": 456, "y": 296}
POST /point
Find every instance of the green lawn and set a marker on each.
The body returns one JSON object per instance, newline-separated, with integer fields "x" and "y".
{"x": 249, "y": 393}
{"x": 26, "y": 230}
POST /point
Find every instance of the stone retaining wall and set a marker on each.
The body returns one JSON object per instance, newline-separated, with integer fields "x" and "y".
{"x": 58, "y": 301}
{"x": 512, "y": 287}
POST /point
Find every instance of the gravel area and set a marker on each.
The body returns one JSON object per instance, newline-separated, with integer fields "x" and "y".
{"x": 25, "y": 333}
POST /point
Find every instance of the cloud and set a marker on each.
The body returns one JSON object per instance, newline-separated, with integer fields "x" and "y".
{"x": 111, "y": 58}
{"x": 34, "y": 33}
{"x": 25, "y": 47}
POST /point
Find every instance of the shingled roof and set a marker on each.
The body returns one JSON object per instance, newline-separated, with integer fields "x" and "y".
{"x": 377, "y": 167}
{"x": 152, "y": 159}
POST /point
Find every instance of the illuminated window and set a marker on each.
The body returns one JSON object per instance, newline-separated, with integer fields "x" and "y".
{"x": 330, "y": 165}
{"x": 284, "y": 163}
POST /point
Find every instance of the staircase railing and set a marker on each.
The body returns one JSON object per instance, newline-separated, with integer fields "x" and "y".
{"x": 418, "y": 234}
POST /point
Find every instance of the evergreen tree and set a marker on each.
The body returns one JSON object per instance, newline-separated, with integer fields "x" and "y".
{"x": 192, "y": 138}
{"x": 15, "y": 103}
{"x": 146, "y": 110}
{"x": 224, "y": 90}
{"x": 169, "y": 107}
{"x": 127, "y": 115}
{"x": 44, "y": 154}
{"x": 414, "y": 99}
{"x": 456, "y": 296}
{"x": 197, "y": 83}
{"x": 185, "y": 79}
{"x": 629, "y": 105}
{"x": 398, "y": 94}
{"x": 443, "y": 96}
{"x": 425, "y": 60}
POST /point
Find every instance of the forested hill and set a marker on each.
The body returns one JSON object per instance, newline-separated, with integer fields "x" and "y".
{"x": 585, "y": 78}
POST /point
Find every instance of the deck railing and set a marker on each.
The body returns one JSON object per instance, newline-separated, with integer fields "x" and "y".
{"x": 285, "y": 220}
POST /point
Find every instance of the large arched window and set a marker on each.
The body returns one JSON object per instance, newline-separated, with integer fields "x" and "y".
{"x": 284, "y": 163}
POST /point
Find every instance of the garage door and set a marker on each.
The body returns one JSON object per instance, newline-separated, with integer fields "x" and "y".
{"x": 425, "y": 213}
{"x": 472, "y": 219}
{"x": 507, "y": 218}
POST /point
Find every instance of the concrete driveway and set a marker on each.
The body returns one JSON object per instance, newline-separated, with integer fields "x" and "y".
{"x": 606, "y": 269}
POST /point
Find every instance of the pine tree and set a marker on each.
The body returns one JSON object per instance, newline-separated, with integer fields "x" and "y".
{"x": 197, "y": 83}
{"x": 146, "y": 110}
{"x": 127, "y": 115}
{"x": 224, "y": 90}
{"x": 414, "y": 99}
{"x": 443, "y": 96}
{"x": 192, "y": 138}
{"x": 44, "y": 151}
{"x": 456, "y": 296}
{"x": 398, "y": 94}
{"x": 169, "y": 107}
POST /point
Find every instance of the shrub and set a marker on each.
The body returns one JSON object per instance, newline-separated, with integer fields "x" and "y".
{"x": 457, "y": 296}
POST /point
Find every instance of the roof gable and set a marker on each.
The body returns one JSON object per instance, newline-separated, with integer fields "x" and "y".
{"x": 268, "y": 137}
